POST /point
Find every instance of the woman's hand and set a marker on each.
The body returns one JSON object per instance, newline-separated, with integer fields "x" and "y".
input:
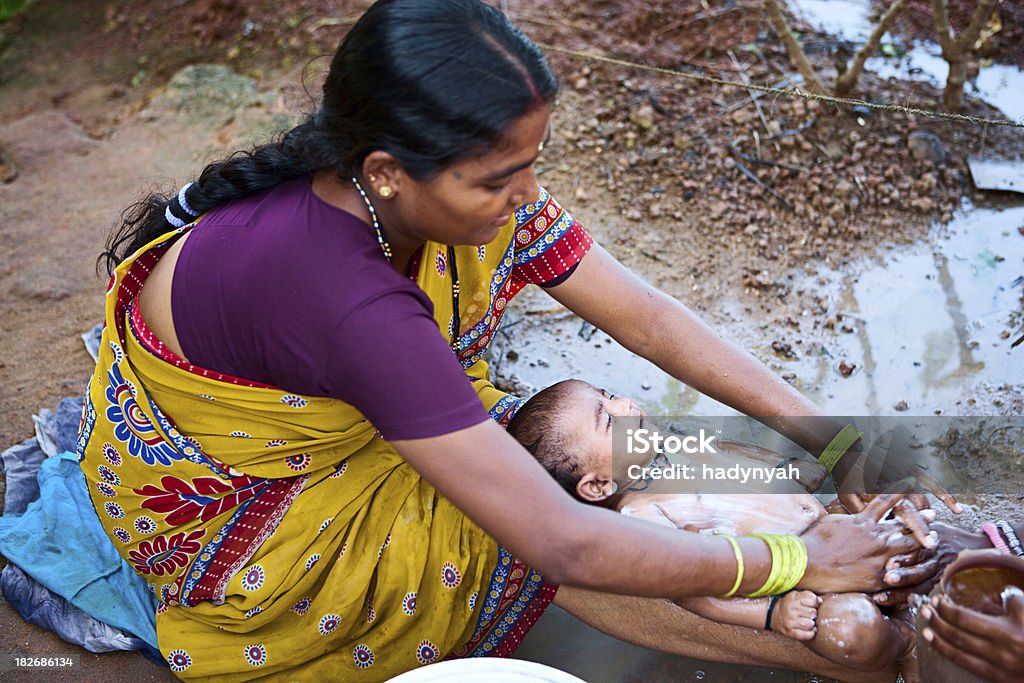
{"x": 848, "y": 553}
{"x": 990, "y": 646}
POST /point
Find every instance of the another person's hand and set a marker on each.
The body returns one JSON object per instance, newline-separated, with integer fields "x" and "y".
{"x": 892, "y": 469}
{"x": 986, "y": 645}
{"x": 851, "y": 553}
{"x": 795, "y": 615}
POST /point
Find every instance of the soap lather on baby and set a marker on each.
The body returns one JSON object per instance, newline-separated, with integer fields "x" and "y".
{"x": 568, "y": 428}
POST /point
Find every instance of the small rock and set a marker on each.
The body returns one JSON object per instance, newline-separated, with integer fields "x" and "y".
{"x": 925, "y": 146}
{"x": 634, "y": 214}
{"x": 1005, "y": 334}
{"x": 719, "y": 208}
{"x": 846, "y": 369}
{"x": 901, "y": 406}
{"x": 844, "y": 188}
{"x": 783, "y": 349}
{"x": 512, "y": 356}
{"x": 581, "y": 83}
{"x": 742, "y": 116}
{"x": 646, "y": 386}
{"x": 7, "y": 172}
{"x": 643, "y": 117}
{"x": 789, "y": 376}
{"x": 922, "y": 204}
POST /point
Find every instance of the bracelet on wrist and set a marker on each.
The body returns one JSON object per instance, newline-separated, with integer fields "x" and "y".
{"x": 838, "y": 446}
{"x": 994, "y": 537}
{"x": 789, "y": 562}
{"x": 739, "y": 566}
{"x": 774, "y": 600}
{"x": 1012, "y": 542}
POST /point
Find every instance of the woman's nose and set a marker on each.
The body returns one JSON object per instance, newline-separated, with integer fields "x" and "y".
{"x": 527, "y": 190}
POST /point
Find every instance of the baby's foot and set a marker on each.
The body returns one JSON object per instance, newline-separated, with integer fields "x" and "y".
{"x": 795, "y": 615}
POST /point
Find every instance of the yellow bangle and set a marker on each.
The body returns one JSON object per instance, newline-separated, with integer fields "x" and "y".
{"x": 789, "y": 562}
{"x": 839, "y": 444}
{"x": 739, "y": 566}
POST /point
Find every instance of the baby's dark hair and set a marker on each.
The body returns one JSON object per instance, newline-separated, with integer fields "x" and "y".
{"x": 541, "y": 428}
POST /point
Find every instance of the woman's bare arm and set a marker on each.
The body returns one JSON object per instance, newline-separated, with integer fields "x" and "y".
{"x": 652, "y": 324}
{"x": 491, "y": 478}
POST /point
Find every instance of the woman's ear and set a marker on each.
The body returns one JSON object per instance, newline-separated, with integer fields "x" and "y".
{"x": 381, "y": 170}
{"x": 594, "y": 488}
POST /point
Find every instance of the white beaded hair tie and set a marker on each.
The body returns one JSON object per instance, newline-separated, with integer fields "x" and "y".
{"x": 184, "y": 202}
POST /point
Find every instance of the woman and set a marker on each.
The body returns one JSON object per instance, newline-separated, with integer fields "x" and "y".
{"x": 263, "y": 437}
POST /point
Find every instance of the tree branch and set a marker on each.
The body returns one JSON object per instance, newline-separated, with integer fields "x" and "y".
{"x": 796, "y": 53}
{"x": 978, "y": 19}
{"x": 944, "y": 33}
{"x": 848, "y": 79}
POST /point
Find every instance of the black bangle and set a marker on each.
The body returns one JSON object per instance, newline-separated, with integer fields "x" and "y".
{"x": 771, "y": 608}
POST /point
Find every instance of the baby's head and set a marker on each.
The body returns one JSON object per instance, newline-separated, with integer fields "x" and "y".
{"x": 568, "y": 428}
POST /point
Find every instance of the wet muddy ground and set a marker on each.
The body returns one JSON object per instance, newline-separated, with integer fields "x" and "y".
{"x": 887, "y": 288}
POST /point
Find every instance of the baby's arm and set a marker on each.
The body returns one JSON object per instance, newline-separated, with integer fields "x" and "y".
{"x": 793, "y": 615}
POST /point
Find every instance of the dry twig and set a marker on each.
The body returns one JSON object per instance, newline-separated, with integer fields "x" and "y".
{"x": 848, "y": 79}
{"x": 796, "y": 53}
{"x": 955, "y": 50}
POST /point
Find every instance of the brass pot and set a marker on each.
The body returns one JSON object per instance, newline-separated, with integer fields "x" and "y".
{"x": 976, "y": 580}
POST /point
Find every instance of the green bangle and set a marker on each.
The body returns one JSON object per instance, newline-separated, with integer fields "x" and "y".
{"x": 838, "y": 446}
{"x": 789, "y": 562}
{"x": 739, "y": 565}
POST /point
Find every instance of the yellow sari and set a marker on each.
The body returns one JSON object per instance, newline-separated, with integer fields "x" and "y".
{"x": 280, "y": 534}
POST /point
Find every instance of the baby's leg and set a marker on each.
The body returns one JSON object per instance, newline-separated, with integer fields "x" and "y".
{"x": 852, "y": 631}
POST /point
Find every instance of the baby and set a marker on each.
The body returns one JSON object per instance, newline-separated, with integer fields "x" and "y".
{"x": 568, "y": 428}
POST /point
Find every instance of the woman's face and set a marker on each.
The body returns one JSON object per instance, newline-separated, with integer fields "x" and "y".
{"x": 470, "y": 201}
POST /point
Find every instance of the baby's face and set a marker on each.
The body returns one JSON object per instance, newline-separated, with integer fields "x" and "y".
{"x": 590, "y": 415}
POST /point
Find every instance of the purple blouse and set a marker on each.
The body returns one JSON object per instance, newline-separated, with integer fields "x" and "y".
{"x": 285, "y": 289}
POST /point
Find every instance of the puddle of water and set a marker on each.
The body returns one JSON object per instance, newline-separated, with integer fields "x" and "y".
{"x": 537, "y": 347}
{"x": 1000, "y": 85}
{"x": 927, "y": 324}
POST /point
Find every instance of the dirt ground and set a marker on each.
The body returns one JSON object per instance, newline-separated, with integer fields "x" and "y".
{"x": 662, "y": 169}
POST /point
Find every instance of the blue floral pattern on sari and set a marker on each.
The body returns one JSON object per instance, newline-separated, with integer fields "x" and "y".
{"x": 132, "y": 426}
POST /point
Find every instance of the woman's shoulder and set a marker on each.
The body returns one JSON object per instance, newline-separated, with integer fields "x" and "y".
{"x": 288, "y": 239}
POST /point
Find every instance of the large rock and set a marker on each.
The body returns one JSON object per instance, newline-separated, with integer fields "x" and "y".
{"x": 214, "y": 98}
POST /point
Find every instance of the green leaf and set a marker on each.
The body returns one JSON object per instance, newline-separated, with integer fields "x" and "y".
{"x": 8, "y": 8}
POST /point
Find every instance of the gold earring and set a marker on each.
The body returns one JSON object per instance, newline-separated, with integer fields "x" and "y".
{"x": 385, "y": 192}
{"x": 372, "y": 178}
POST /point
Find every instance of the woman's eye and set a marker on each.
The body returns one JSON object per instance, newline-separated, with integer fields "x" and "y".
{"x": 497, "y": 187}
